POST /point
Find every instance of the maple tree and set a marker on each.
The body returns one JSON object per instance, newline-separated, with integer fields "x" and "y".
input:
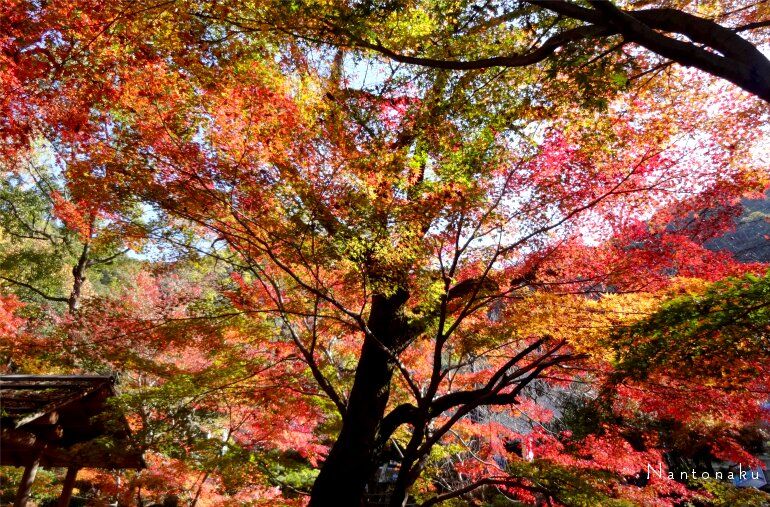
{"x": 400, "y": 264}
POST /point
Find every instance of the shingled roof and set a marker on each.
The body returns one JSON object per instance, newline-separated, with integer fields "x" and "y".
{"x": 65, "y": 418}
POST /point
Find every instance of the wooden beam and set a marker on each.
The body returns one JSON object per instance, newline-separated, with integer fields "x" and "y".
{"x": 19, "y": 438}
{"x": 46, "y": 419}
{"x": 62, "y": 402}
{"x": 69, "y": 483}
{"x": 25, "y": 486}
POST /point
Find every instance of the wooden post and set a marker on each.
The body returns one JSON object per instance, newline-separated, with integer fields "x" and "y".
{"x": 69, "y": 483}
{"x": 25, "y": 486}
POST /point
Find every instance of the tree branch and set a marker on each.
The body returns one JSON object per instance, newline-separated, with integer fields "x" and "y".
{"x": 519, "y": 60}
{"x": 37, "y": 291}
{"x": 487, "y": 481}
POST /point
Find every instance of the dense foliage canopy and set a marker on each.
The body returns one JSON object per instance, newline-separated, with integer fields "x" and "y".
{"x": 412, "y": 251}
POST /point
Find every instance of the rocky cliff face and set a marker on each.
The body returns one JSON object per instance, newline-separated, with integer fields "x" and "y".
{"x": 750, "y": 241}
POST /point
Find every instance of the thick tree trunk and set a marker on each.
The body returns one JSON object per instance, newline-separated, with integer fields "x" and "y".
{"x": 352, "y": 459}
